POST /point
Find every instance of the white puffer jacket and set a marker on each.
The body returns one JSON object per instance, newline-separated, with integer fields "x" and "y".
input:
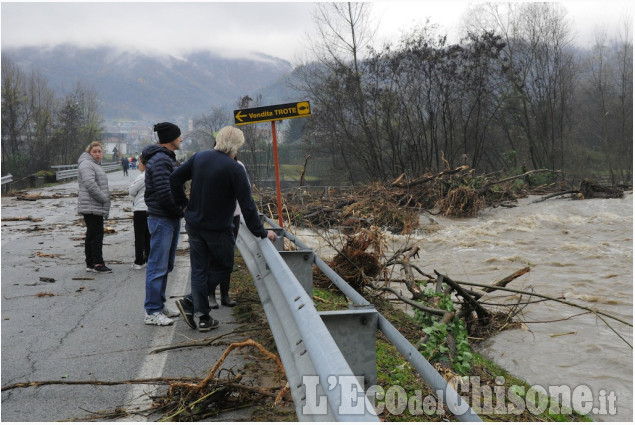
{"x": 137, "y": 190}
{"x": 94, "y": 196}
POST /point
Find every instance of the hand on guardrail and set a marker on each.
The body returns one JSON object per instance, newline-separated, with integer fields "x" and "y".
{"x": 271, "y": 235}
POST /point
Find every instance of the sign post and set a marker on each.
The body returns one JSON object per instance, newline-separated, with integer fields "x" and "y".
{"x": 273, "y": 113}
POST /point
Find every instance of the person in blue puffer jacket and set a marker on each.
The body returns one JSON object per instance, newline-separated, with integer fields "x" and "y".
{"x": 164, "y": 221}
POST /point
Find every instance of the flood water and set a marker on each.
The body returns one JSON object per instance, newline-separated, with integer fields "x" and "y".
{"x": 581, "y": 251}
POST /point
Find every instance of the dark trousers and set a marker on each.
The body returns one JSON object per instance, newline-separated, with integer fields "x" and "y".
{"x": 141, "y": 237}
{"x": 213, "y": 284}
{"x": 211, "y": 260}
{"x": 236, "y": 228}
{"x": 93, "y": 244}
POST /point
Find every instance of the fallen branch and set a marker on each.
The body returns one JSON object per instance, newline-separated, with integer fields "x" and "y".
{"x": 410, "y": 280}
{"x": 28, "y": 218}
{"x": 480, "y": 310}
{"x": 197, "y": 343}
{"x": 504, "y": 281}
{"x": 534, "y": 294}
{"x": 437, "y": 312}
{"x": 425, "y": 179}
{"x": 95, "y": 382}
{"x": 232, "y": 346}
{"x": 553, "y": 195}
{"x": 488, "y": 184}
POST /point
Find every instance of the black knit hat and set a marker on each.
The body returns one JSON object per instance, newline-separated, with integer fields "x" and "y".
{"x": 167, "y": 132}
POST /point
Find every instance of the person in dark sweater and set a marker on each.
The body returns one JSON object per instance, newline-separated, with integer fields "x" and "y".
{"x": 164, "y": 221}
{"x": 218, "y": 181}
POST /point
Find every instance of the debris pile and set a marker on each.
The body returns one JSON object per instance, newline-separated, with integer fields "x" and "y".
{"x": 395, "y": 206}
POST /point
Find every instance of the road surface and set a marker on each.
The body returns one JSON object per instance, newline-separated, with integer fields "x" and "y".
{"x": 60, "y": 322}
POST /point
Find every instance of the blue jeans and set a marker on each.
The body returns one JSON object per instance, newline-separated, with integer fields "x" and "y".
{"x": 164, "y": 236}
{"x": 211, "y": 263}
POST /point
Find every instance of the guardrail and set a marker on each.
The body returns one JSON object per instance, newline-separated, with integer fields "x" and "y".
{"x": 325, "y": 362}
{"x": 7, "y": 179}
{"x": 308, "y": 352}
{"x": 71, "y": 171}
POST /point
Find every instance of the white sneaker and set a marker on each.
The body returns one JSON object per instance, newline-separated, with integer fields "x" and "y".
{"x": 170, "y": 313}
{"x": 136, "y": 266}
{"x": 158, "y": 319}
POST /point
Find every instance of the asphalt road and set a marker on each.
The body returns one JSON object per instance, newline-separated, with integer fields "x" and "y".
{"x": 61, "y": 323}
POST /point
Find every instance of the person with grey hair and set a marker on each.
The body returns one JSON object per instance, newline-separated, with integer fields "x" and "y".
{"x": 218, "y": 182}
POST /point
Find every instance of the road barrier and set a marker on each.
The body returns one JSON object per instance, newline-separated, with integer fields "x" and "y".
{"x": 70, "y": 171}
{"x": 325, "y": 348}
{"x": 6, "y": 181}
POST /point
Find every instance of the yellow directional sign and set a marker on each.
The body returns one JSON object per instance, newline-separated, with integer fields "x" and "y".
{"x": 272, "y": 113}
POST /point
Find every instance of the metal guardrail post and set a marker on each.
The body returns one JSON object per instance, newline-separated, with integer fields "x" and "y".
{"x": 301, "y": 265}
{"x": 354, "y": 332}
{"x": 459, "y": 407}
{"x": 305, "y": 346}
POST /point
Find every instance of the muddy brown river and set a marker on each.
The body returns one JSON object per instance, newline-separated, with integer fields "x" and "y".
{"x": 579, "y": 250}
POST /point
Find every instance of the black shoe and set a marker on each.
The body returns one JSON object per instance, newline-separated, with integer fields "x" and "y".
{"x": 207, "y": 323}
{"x": 212, "y": 301}
{"x": 186, "y": 308}
{"x": 227, "y": 301}
{"x": 101, "y": 268}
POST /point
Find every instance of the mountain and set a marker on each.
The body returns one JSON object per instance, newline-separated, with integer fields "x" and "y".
{"x": 137, "y": 85}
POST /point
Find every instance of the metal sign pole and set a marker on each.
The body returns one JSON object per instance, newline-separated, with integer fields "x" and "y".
{"x": 275, "y": 160}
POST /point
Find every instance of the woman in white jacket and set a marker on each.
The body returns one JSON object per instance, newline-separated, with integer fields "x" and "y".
{"x": 140, "y": 217}
{"x": 93, "y": 202}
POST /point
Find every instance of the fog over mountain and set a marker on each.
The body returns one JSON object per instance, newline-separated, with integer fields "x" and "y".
{"x": 138, "y": 85}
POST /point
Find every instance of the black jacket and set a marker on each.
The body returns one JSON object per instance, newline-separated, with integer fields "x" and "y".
{"x": 161, "y": 163}
{"x": 217, "y": 183}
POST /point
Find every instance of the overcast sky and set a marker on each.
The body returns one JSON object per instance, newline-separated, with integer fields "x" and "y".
{"x": 277, "y": 29}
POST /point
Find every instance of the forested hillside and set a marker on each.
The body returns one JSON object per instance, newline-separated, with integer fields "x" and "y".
{"x": 141, "y": 86}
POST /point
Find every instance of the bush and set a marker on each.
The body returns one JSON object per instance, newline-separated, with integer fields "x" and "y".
{"x": 49, "y": 175}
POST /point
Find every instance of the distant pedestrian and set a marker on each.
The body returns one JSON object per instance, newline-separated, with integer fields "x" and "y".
{"x": 218, "y": 181}
{"x": 164, "y": 221}
{"x": 133, "y": 162}
{"x": 137, "y": 190}
{"x": 93, "y": 202}
{"x": 125, "y": 163}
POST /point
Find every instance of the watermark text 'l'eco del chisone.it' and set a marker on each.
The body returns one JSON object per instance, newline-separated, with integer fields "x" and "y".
{"x": 483, "y": 399}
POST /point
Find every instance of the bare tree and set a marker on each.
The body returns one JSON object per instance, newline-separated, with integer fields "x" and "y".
{"x": 624, "y": 81}
{"x": 40, "y": 137}
{"x": 206, "y": 126}
{"x": 257, "y": 154}
{"x": 334, "y": 84}
{"x": 541, "y": 74}
{"x": 16, "y": 115}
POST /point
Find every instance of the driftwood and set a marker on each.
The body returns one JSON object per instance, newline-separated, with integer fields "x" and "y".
{"x": 553, "y": 195}
{"x": 503, "y": 282}
{"x": 590, "y": 189}
{"x": 487, "y": 185}
{"x": 426, "y": 178}
{"x": 483, "y": 314}
{"x": 27, "y": 218}
{"x": 160, "y": 380}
